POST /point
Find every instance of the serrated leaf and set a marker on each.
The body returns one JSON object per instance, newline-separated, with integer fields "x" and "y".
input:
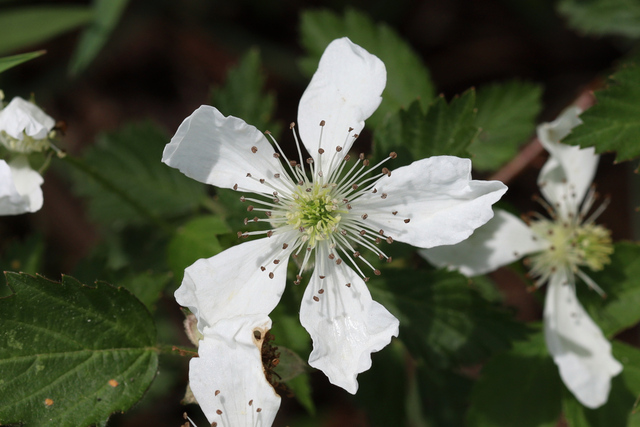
{"x": 243, "y": 95}
{"x": 521, "y": 388}
{"x": 31, "y": 25}
{"x": 11, "y": 61}
{"x": 603, "y": 17}
{"x": 506, "y": 117}
{"x": 621, "y": 281}
{"x": 130, "y": 159}
{"x": 407, "y": 78}
{"x": 444, "y": 320}
{"x": 619, "y": 409}
{"x": 194, "y": 240}
{"x": 105, "y": 17}
{"x": 613, "y": 124}
{"x": 446, "y": 129}
{"x": 70, "y": 354}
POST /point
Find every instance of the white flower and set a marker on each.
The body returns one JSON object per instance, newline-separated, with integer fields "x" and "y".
{"x": 23, "y": 129}
{"x": 322, "y": 212}
{"x": 559, "y": 248}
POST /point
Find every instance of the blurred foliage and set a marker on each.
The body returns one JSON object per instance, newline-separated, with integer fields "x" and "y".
{"x": 11, "y": 61}
{"x": 603, "y": 17}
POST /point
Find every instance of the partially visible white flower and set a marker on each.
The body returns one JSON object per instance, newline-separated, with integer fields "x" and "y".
{"x": 560, "y": 249}
{"x": 322, "y": 212}
{"x": 24, "y": 129}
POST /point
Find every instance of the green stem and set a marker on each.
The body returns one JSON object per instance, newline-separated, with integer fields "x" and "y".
{"x": 82, "y": 166}
{"x": 176, "y": 350}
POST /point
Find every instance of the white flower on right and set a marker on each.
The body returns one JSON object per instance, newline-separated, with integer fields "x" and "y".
{"x": 559, "y": 249}
{"x": 24, "y": 129}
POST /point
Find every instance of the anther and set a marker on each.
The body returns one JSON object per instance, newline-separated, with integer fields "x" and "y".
{"x": 376, "y": 272}
{"x": 386, "y": 171}
{"x": 348, "y": 206}
{"x": 378, "y": 240}
{"x": 322, "y": 277}
{"x": 242, "y": 199}
{"x": 365, "y": 216}
{"x": 381, "y": 232}
{"x": 350, "y": 129}
{"x": 332, "y": 256}
{"x": 285, "y": 246}
{"x": 320, "y": 150}
{"x": 354, "y": 186}
{"x": 406, "y": 221}
{"x": 246, "y": 221}
{"x": 343, "y": 232}
{"x": 363, "y": 232}
{"x": 255, "y": 219}
{"x": 347, "y": 158}
{"x": 275, "y": 193}
{"x": 219, "y": 412}
{"x": 355, "y": 135}
{"x": 249, "y": 208}
{"x": 338, "y": 261}
{"x": 321, "y": 291}
{"x": 308, "y": 190}
{"x": 251, "y": 402}
{"x": 389, "y": 259}
{"x": 262, "y": 268}
{"x": 309, "y": 160}
{"x": 217, "y": 392}
{"x": 395, "y": 212}
{"x": 268, "y": 213}
{"x": 348, "y": 285}
{"x": 276, "y": 155}
{"x": 276, "y": 261}
{"x": 235, "y": 187}
{"x": 267, "y": 132}
{"x": 276, "y": 175}
{"x": 338, "y": 149}
{"x": 292, "y": 125}
{"x": 269, "y": 233}
{"x": 261, "y": 180}
{"x": 271, "y": 275}
{"x": 393, "y": 154}
{"x": 254, "y": 149}
{"x": 356, "y": 254}
{"x": 316, "y": 299}
{"x": 365, "y": 162}
{"x": 375, "y": 190}
{"x": 361, "y": 156}
{"x": 322, "y": 122}
{"x": 389, "y": 240}
{"x": 239, "y": 234}
{"x": 366, "y": 279}
{"x": 384, "y": 195}
{"x": 293, "y": 162}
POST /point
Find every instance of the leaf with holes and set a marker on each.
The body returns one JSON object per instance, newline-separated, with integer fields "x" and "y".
{"x": 71, "y": 354}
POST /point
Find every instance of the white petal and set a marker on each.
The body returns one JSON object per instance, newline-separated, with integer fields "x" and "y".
{"x": 577, "y": 345}
{"x": 20, "y": 190}
{"x": 344, "y": 92}
{"x": 501, "y": 241}
{"x": 219, "y": 150}
{"x": 346, "y": 325}
{"x": 567, "y": 175}
{"x": 20, "y": 117}
{"x": 439, "y": 198}
{"x": 232, "y": 282}
{"x": 228, "y": 374}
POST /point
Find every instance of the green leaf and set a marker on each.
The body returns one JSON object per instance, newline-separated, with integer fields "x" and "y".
{"x": 613, "y": 124}
{"x": 70, "y": 354}
{"x": 11, "y": 61}
{"x": 130, "y": 159}
{"x": 243, "y": 95}
{"x": 446, "y": 129}
{"x": 196, "y": 239}
{"x": 444, "y": 395}
{"x": 407, "y": 78}
{"x": 621, "y": 282}
{"x": 105, "y": 17}
{"x": 301, "y": 388}
{"x": 506, "y": 117}
{"x": 619, "y": 409}
{"x": 603, "y": 17}
{"x": 444, "y": 320}
{"x": 521, "y": 388}
{"x": 31, "y": 25}
{"x": 147, "y": 286}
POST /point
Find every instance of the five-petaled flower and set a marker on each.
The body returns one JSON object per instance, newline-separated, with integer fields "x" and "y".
{"x": 560, "y": 249}
{"x": 24, "y": 129}
{"x": 322, "y": 211}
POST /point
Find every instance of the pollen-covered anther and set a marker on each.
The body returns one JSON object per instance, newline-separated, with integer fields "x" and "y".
{"x": 363, "y": 232}
{"x": 375, "y": 190}
{"x": 271, "y": 275}
{"x": 354, "y": 186}
{"x": 276, "y": 261}
{"x": 338, "y": 149}
{"x": 393, "y": 154}
{"x": 331, "y": 256}
{"x": 348, "y": 285}
{"x": 322, "y": 277}
{"x": 320, "y": 150}
{"x": 246, "y": 221}
{"x": 269, "y": 233}
{"x": 285, "y": 246}
{"x": 377, "y": 272}
{"x": 261, "y": 180}
{"x": 276, "y": 175}
{"x": 315, "y": 298}
{"x": 381, "y": 232}
{"x": 292, "y": 125}
{"x": 251, "y": 402}
{"x": 389, "y": 240}
{"x": 356, "y": 254}
{"x": 235, "y": 187}
{"x": 338, "y": 261}
{"x": 276, "y": 155}
{"x": 322, "y": 122}
{"x": 217, "y": 392}
{"x": 249, "y": 208}
{"x": 262, "y": 268}
{"x": 242, "y": 199}
{"x": 386, "y": 171}
{"x": 254, "y": 149}
{"x": 321, "y": 291}
{"x": 365, "y": 216}
{"x": 394, "y": 213}
{"x": 218, "y": 411}
{"x": 406, "y": 221}
{"x": 309, "y": 161}
{"x": 259, "y": 410}
{"x": 365, "y": 162}
{"x": 384, "y": 195}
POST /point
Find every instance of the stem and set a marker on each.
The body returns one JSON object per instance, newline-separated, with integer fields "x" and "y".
{"x": 81, "y": 165}
{"x": 176, "y": 350}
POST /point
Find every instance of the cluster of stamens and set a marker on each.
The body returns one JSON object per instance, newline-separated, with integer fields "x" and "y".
{"x": 319, "y": 207}
{"x": 573, "y": 241}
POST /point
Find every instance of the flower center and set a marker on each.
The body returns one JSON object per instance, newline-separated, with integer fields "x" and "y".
{"x": 572, "y": 246}
{"x": 25, "y": 146}
{"x": 315, "y": 213}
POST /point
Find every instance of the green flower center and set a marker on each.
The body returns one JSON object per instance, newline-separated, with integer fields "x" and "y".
{"x": 316, "y": 213}
{"x": 25, "y": 146}
{"x": 572, "y": 246}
